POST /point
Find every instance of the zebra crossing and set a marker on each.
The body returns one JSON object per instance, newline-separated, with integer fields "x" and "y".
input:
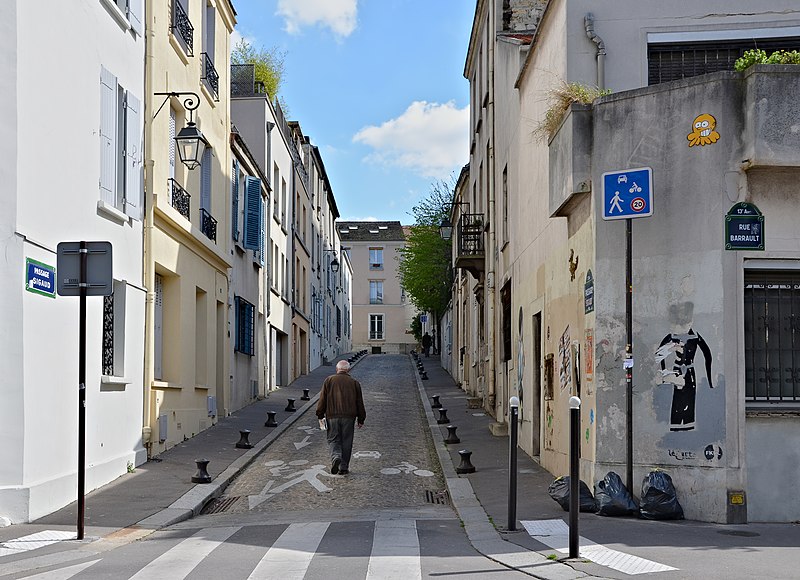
{"x": 381, "y": 549}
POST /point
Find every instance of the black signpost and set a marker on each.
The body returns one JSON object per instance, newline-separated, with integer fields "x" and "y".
{"x": 83, "y": 269}
{"x": 744, "y": 228}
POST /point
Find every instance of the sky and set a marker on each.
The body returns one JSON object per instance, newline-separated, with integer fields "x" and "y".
{"x": 378, "y": 86}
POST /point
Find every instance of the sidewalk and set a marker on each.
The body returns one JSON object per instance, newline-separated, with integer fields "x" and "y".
{"x": 160, "y": 492}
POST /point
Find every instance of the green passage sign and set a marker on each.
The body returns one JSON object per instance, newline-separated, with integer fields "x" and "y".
{"x": 744, "y": 228}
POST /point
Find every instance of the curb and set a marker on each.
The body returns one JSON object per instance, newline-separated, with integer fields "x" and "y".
{"x": 480, "y": 531}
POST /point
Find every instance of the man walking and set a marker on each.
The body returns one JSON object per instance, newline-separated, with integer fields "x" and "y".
{"x": 341, "y": 404}
{"x": 426, "y": 344}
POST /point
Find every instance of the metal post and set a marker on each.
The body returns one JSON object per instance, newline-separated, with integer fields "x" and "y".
{"x": 629, "y": 349}
{"x": 513, "y": 413}
{"x": 82, "y": 391}
{"x": 574, "y": 473}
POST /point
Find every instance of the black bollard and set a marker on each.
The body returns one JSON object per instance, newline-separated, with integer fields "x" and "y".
{"x": 466, "y": 466}
{"x": 290, "y": 407}
{"x": 513, "y": 415}
{"x": 244, "y": 442}
{"x": 424, "y": 376}
{"x": 436, "y": 404}
{"x": 574, "y": 473}
{"x": 443, "y": 420}
{"x": 305, "y": 396}
{"x": 202, "y": 475}
{"x": 271, "y": 419}
{"x": 451, "y": 435}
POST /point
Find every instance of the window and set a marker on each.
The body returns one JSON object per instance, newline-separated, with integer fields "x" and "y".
{"x": 376, "y": 326}
{"x": 128, "y": 13}
{"x": 376, "y": 291}
{"x": 772, "y": 336}
{"x": 235, "y": 201}
{"x": 114, "y": 331}
{"x": 120, "y": 148}
{"x": 671, "y": 61}
{"x": 505, "y": 298}
{"x": 505, "y": 204}
{"x": 276, "y": 210}
{"x": 245, "y": 318}
{"x": 338, "y": 322}
{"x": 253, "y": 236}
{"x": 376, "y": 258}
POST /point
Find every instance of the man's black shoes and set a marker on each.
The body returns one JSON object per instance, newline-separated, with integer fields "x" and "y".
{"x": 335, "y": 466}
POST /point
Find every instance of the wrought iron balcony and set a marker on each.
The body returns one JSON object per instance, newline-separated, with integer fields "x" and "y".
{"x": 470, "y": 249}
{"x": 210, "y": 75}
{"x": 179, "y": 198}
{"x": 208, "y": 225}
{"x": 182, "y": 27}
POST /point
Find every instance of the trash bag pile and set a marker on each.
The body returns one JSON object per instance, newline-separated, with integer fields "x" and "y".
{"x": 611, "y": 497}
{"x": 559, "y": 491}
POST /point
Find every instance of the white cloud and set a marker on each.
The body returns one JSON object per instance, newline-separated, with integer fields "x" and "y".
{"x": 338, "y": 15}
{"x": 431, "y": 139}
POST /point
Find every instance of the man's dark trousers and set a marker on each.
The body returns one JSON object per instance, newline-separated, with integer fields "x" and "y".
{"x": 340, "y": 439}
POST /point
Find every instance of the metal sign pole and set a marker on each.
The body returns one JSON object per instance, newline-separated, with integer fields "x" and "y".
{"x": 574, "y": 474}
{"x": 629, "y": 347}
{"x": 84, "y": 254}
{"x": 512, "y": 463}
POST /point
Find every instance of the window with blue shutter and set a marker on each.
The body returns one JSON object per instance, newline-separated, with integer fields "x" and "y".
{"x": 235, "y": 201}
{"x": 245, "y": 326}
{"x": 253, "y": 213}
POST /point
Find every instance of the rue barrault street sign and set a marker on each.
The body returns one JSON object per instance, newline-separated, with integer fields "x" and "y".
{"x": 744, "y": 228}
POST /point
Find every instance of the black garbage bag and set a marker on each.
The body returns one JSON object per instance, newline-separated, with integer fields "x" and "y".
{"x": 559, "y": 491}
{"x": 613, "y": 498}
{"x": 659, "y": 498}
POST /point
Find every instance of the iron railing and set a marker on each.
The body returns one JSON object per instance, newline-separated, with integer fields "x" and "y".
{"x": 182, "y": 27}
{"x": 179, "y": 198}
{"x": 210, "y": 75}
{"x": 470, "y": 235}
{"x": 208, "y": 225}
{"x": 108, "y": 335}
{"x": 375, "y": 335}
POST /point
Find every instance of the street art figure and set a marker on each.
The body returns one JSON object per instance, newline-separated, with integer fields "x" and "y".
{"x": 682, "y": 375}
{"x": 703, "y": 131}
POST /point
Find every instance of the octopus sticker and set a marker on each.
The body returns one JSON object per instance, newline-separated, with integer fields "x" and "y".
{"x": 703, "y": 131}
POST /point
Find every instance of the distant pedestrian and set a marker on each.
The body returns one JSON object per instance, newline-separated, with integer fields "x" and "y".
{"x": 426, "y": 344}
{"x": 341, "y": 404}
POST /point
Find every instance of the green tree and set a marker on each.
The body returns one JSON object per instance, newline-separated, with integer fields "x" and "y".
{"x": 269, "y": 65}
{"x": 425, "y": 268}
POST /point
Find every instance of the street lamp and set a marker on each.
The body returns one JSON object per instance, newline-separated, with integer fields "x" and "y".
{"x": 334, "y": 263}
{"x": 190, "y": 141}
{"x": 446, "y": 227}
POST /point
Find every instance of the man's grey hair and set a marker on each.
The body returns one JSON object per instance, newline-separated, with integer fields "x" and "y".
{"x": 342, "y": 366}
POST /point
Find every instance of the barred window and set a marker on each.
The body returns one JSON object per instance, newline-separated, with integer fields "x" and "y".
{"x": 772, "y": 336}
{"x": 245, "y": 327}
{"x": 376, "y": 326}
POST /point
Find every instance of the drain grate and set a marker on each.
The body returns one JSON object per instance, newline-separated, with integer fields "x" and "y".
{"x": 221, "y": 504}
{"x": 440, "y": 497}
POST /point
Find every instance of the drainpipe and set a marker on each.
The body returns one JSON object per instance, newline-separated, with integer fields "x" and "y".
{"x": 147, "y": 258}
{"x": 588, "y": 22}
{"x": 491, "y": 244}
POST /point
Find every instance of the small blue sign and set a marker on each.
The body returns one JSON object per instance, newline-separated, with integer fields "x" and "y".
{"x": 628, "y": 194}
{"x": 40, "y": 278}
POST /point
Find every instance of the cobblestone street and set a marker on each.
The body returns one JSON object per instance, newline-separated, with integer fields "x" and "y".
{"x": 393, "y": 463}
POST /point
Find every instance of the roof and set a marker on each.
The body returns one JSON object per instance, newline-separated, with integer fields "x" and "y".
{"x": 369, "y": 231}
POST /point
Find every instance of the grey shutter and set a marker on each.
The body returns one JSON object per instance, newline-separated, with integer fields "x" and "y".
{"x": 261, "y": 221}
{"x": 135, "y": 12}
{"x": 134, "y": 196}
{"x": 158, "y": 326}
{"x": 108, "y": 132}
{"x": 172, "y": 143}
{"x": 235, "y": 201}
{"x": 205, "y": 181}
{"x": 252, "y": 213}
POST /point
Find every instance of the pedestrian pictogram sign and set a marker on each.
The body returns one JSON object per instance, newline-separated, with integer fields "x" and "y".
{"x": 628, "y": 194}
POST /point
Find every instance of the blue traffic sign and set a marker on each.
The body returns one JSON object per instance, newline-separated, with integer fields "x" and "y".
{"x": 628, "y": 194}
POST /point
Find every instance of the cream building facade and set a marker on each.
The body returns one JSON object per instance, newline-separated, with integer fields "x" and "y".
{"x": 187, "y": 249}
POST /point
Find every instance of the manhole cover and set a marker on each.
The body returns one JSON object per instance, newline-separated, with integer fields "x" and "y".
{"x": 440, "y": 497}
{"x": 221, "y": 504}
{"x": 738, "y": 533}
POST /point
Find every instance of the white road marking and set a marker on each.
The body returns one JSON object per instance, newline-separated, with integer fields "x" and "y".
{"x": 395, "y": 551}
{"x": 555, "y": 533}
{"x": 291, "y": 554}
{"x": 183, "y": 558}
{"x": 33, "y": 541}
{"x": 63, "y": 573}
{"x": 306, "y": 441}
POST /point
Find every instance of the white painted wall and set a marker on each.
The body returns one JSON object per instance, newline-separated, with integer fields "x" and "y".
{"x": 50, "y": 125}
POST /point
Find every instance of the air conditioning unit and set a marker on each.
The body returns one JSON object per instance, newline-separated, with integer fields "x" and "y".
{"x": 212, "y": 406}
